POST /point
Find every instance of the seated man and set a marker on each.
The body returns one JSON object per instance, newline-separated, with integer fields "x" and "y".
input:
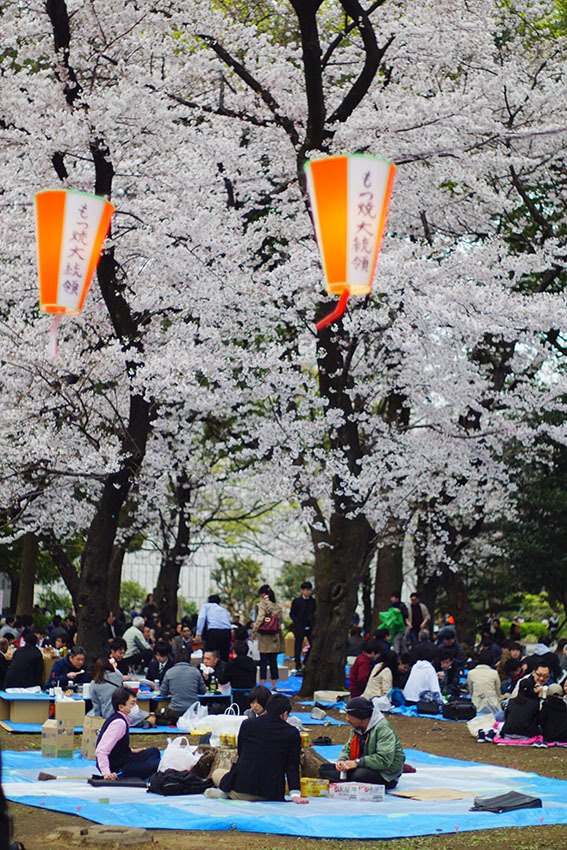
{"x": 449, "y": 674}
{"x": 113, "y": 753}
{"x": 212, "y": 662}
{"x": 269, "y": 749}
{"x": 373, "y": 752}
{"x": 26, "y": 667}
{"x": 184, "y": 683}
{"x": 448, "y": 643}
{"x": 362, "y": 667}
{"x": 69, "y": 670}
{"x": 160, "y": 663}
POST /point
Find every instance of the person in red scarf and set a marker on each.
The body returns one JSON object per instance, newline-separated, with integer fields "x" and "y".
{"x": 373, "y": 753}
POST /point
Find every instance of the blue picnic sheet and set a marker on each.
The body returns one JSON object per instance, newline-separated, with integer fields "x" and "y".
{"x": 395, "y": 817}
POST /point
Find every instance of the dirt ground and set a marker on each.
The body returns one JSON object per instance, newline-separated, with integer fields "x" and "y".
{"x": 430, "y": 735}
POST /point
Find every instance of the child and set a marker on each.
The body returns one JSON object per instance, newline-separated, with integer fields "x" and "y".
{"x": 113, "y": 753}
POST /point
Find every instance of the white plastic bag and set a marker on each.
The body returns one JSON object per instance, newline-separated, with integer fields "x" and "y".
{"x": 228, "y": 722}
{"x": 253, "y": 650}
{"x": 196, "y": 717}
{"x": 178, "y": 755}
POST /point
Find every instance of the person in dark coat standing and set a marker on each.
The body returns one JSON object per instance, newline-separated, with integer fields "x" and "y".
{"x": 302, "y": 614}
{"x": 26, "y": 667}
{"x": 269, "y": 749}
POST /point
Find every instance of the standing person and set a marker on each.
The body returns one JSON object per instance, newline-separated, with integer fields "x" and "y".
{"x": 269, "y": 749}
{"x": 419, "y": 617}
{"x": 373, "y": 753}
{"x": 396, "y": 602}
{"x": 302, "y": 614}
{"x": 268, "y": 632}
{"x": 216, "y": 620}
{"x": 113, "y": 753}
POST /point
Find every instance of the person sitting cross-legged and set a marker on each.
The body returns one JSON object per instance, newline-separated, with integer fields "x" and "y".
{"x": 373, "y": 752}
{"x": 113, "y": 753}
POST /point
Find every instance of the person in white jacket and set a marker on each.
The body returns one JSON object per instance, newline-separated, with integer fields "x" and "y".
{"x": 422, "y": 677}
{"x": 483, "y": 684}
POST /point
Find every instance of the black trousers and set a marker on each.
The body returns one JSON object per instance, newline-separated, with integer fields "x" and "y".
{"x": 359, "y": 774}
{"x": 271, "y": 659}
{"x": 218, "y": 639}
{"x": 300, "y": 634}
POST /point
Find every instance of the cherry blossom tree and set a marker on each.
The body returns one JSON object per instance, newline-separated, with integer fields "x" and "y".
{"x": 196, "y": 119}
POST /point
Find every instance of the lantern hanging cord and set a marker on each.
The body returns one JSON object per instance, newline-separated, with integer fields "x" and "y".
{"x": 53, "y": 345}
{"x": 336, "y": 313}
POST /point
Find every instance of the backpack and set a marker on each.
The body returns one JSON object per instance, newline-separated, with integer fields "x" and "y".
{"x": 171, "y": 783}
{"x": 459, "y": 709}
{"x": 427, "y": 706}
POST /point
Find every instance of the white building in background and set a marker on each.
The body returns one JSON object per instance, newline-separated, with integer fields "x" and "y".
{"x": 195, "y": 582}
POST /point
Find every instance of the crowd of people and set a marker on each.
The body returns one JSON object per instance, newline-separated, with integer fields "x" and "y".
{"x": 527, "y": 692}
{"x": 402, "y": 662}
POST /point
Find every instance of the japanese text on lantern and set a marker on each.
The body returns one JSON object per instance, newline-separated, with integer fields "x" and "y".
{"x": 365, "y": 225}
{"x": 76, "y": 259}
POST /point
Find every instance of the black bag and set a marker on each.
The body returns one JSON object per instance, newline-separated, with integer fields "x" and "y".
{"x": 506, "y": 803}
{"x": 459, "y": 709}
{"x": 427, "y": 706}
{"x": 170, "y": 783}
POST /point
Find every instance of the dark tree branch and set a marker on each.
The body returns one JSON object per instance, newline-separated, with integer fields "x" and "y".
{"x": 373, "y": 57}
{"x": 239, "y": 69}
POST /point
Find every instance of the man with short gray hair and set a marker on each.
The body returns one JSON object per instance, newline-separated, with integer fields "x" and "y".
{"x": 138, "y": 651}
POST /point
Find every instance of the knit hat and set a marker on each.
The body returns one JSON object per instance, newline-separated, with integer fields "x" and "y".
{"x": 359, "y": 707}
{"x": 555, "y": 691}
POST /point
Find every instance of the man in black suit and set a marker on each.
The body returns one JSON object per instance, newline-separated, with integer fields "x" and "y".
{"x": 269, "y": 749}
{"x": 302, "y": 613}
{"x": 113, "y": 628}
{"x": 160, "y": 663}
{"x": 26, "y": 667}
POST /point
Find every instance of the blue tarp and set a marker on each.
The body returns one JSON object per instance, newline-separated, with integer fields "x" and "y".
{"x": 323, "y": 818}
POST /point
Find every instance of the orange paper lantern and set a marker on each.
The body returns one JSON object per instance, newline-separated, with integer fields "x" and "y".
{"x": 350, "y": 196}
{"x": 71, "y": 229}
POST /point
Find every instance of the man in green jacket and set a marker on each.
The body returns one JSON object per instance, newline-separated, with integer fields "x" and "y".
{"x": 373, "y": 752}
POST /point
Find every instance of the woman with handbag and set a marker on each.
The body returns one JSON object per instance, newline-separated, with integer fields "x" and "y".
{"x": 268, "y": 632}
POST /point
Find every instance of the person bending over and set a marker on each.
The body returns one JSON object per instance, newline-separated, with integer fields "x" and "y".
{"x": 113, "y": 753}
{"x": 373, "y": 752}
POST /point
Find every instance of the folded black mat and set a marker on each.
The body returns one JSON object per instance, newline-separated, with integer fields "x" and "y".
{"x": 506, "y": 803}
{"x": 122, "y": 782}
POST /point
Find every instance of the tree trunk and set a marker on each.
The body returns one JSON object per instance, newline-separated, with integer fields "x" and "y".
{"x": 366, "y": 589}
{"x": 339, "y": 567}
{"x": 165, "y": 591}
{"x": 167, "y": 585}
{"x": 115, "y": 578}
{"x": 459, "y": 605}
{"x": 428, "y": 593}
{"x": 389, "y": 576}
{"x": 24, "y": 604}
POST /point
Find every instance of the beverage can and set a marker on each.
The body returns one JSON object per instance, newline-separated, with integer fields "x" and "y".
{"x": 305, "y": 739}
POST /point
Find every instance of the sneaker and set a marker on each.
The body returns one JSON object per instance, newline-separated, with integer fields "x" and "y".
{"x": 215, "y": 794}
{"x": 481, "y": 737}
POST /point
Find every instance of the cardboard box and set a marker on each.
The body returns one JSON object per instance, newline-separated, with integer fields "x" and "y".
{"x": 360, "y": 791}
{"x": 71, "y": 709}
{"x": 57, "y": 739}
{"x": 91, "y": 728}
{"x": 331, "y": 696}
{"x": 314, "y": 787}
{"x": 29, "y": 710}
